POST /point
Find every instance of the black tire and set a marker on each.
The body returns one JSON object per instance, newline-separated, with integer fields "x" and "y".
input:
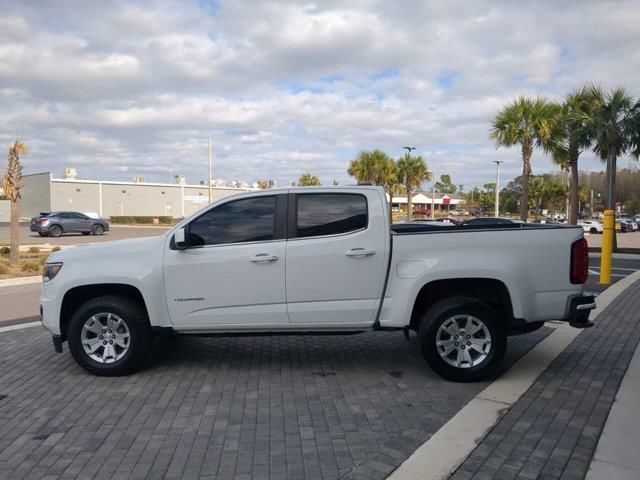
{"x": 593, "y": 230}
{"x": 97, "y": 229}
{"x": 441, "y": 312}
{"x": 55, "y": 231}
{"x": 135, "y": 317}
{"x": 86, "y": 233}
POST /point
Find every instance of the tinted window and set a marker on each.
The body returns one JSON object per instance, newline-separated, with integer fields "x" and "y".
{"x": 330, "y": 213}
{"x": 248, "y": 220}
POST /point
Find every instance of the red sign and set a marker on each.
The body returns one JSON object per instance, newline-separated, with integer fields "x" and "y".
{"x": 446, "y": 200}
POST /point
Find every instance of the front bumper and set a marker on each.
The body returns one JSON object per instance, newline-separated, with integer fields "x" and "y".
{"x": 579, "y": 309}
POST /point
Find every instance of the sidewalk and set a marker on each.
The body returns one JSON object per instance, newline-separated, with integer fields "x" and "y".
{"x": 553, "y": 430}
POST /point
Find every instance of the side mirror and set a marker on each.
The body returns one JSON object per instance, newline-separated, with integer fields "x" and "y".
{"x": 179, "y": 239}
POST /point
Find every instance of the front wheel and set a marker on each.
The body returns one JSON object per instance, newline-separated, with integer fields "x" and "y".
{"x": 97, "y": 229}
{"x": 110, "y": 335}
{"x": 462, "y": 339}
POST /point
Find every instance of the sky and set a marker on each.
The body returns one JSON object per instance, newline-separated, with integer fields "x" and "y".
{"x": 123, "y": 89}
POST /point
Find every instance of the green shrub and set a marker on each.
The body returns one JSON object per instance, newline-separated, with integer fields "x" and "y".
{"x": 5, "y": 250}
{"x": 4, "y": 261}
{"x": 42, "y": 260}
{"x": 140, "y": 220}
{"x": 56, "y": 249}
{"x": 30, "y": 266}
{"x": 34, "y": 250}
{"x": 4, "y": 268}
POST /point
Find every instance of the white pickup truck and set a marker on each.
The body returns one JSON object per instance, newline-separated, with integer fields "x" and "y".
{"x": 317, "y": 260}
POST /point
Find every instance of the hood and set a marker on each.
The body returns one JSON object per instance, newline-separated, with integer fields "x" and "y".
{"x": 134, "y": 246}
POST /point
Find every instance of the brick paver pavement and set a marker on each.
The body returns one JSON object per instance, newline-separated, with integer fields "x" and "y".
{"x": 552, "y": 431}
{"x": 314, "y": 407}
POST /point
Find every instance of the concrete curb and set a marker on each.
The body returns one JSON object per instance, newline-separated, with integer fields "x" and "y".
{"x": 621, "y": 256}
{"x": 445, "y": 451}
{"x": 20, "y": 326}
{"x": 10, "y": 282}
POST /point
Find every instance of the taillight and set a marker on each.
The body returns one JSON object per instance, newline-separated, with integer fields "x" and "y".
{"x": 579, "y": 261}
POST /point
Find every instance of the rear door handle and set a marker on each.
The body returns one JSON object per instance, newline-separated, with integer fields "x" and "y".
{"x": 264, "y": 257}
{"x": 359, "y": 252}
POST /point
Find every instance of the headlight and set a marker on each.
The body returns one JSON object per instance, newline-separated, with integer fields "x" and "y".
{"x": 50, "y": 271}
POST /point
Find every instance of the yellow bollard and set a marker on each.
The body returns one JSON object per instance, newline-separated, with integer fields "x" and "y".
{"x": 606, "y": 256}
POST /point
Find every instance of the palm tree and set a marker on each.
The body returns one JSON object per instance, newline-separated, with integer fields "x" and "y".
{"x": 529, "y": 123}
{"x": 412, "y": 171}
{"x": 376, "y": 168}
{"x": 615, "y": 131}
{"x": 12, "y": 184}
{"x": 308, "y": 179}
{"x": 571, "y": 137}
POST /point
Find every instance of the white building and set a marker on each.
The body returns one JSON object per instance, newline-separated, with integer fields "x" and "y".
{"x": 43, "y": 193}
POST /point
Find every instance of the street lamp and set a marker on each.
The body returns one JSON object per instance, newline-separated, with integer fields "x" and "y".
{"x": 210, "y": 171}
{"x": 409, "y": 149}
{"x": 497, "y": 162}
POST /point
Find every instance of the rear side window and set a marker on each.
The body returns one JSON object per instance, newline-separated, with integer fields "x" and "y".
{"x": 330, "y": 214}
{"x": 247, "y": 220}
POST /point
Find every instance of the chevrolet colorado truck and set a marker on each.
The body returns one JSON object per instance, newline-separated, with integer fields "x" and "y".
{"x": 317, "y": 260}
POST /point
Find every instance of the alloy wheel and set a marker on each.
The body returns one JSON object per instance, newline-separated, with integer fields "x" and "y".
{"x": 463, "y": 341}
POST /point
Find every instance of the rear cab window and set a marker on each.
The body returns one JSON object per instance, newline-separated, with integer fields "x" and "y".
{"x": 322, "y": 214}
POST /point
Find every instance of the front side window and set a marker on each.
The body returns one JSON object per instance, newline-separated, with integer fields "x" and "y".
{"x": 330, "y": 214}
{"x": 246, "y": 220}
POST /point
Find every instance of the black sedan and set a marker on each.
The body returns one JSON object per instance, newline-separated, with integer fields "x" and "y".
{"x": 55, "y": 224}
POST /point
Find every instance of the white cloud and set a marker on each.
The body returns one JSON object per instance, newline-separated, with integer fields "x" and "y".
{"x": 284, "y": 87}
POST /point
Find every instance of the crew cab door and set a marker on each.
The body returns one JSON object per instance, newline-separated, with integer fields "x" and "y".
{"x": 336, "y": 254}
{"x": 232, "y": 270}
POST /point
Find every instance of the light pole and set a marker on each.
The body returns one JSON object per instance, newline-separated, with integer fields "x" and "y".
{"x": 408, "y": 149}
{"x": 433, "y": 192}
{"x": 210, "y": 171}
{"x": 497, "y": 162}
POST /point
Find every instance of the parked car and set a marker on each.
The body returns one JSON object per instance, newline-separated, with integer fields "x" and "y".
{"x": 423, "y": 212}
{"x": 548, "y": 221}
{"x": 55, "y": 224}
{"x": 591, "y": 226}
{"x": 317, "y": 260}
{"x": 626, "y": 225}
{"x": 436, "y": 221}
{"x": 488, "y": 221}
{"x": 629, "y": 222}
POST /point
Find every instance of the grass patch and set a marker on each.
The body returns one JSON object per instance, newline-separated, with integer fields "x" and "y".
{"x": 29, "y": 264}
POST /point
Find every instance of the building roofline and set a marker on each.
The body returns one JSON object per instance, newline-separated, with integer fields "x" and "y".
{"x": 149, "y": 184}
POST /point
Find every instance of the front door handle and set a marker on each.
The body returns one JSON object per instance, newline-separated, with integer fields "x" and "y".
{"x": 359, "y": 252}
{"x": 264, "y": 257}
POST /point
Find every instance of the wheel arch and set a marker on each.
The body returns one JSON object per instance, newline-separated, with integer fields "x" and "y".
{"x": 491, "y": 291}
{"x": 75, "y": 297}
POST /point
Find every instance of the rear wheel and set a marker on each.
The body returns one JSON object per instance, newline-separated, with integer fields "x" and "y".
{"x": 97, "y": 229}
{"x": 593, "y": 230}
{"x": 110, "y": 335}
{"x": 462, "y": 339}
{"x": 55, "y": 231}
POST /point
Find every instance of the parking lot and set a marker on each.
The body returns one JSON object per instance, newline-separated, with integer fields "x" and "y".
{"x": 117, "y": 232}
{"x": 289, "y": 406}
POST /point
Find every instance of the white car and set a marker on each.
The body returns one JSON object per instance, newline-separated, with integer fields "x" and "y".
{"x": 317, "y": 260}
{"x": 591, "y": 226}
